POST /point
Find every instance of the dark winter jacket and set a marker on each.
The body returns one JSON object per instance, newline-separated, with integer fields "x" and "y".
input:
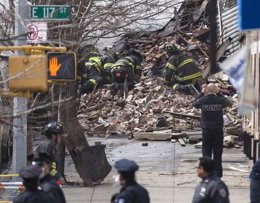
{"x": 211, "y": 190}
{"x": 211, "y": 110}
{"x": 132, "y": 192}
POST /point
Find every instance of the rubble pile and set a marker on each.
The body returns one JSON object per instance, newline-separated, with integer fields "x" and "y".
{"x": 151, "y": 107}
{"x": 151, "y": 110}
{"x": 102, "y": 113}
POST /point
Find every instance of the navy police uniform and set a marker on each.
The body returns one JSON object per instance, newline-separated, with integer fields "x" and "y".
{"x": 32, "y": 194}
{"x": 212, "y": 126}
{"x": 131, "y": 192}
{"x": 49, "y": 185}
{"x": 211, "y": 190}
{"x": 255, "y": 183}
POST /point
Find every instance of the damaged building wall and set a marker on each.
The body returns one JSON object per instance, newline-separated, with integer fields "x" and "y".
{"x": 228, "y": 26}
{"x": 251, "y": 121}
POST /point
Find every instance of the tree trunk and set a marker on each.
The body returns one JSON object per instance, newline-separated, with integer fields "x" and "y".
{"x": 90, "y": 161}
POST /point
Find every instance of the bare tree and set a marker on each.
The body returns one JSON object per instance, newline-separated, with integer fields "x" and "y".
{"x": 90, "y": 21}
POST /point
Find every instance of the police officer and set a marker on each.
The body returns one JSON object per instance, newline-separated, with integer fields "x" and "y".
{"x": 131, "y": 191}
{"x": 211, "y": 189}
{"x": 212, "y": 103}
{"x": 47, "y": 182}
{"x": 53, "y": 132}
{"x": 32, "y": 194}
{"x": 255, "y": 183}
{"x": 180, "y": 70}
{"x": 127, "y": 69}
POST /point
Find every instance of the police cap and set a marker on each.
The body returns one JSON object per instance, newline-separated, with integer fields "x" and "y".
{"x": 125, "y": 165}
{"x": 30, "y": 172}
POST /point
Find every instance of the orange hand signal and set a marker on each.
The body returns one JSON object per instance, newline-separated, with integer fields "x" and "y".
{"x": 54, "y": 66}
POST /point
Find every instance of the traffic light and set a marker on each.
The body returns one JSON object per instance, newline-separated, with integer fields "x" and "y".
{"x": 28, "y": 73}
{"x": 61, "y": 66}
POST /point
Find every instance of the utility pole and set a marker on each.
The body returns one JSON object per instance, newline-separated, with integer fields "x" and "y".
{"x": 213, "y": 36}
{"x": 20, "y": 103}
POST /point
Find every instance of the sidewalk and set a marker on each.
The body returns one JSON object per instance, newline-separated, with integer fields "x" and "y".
{"x": 166, "y": 170}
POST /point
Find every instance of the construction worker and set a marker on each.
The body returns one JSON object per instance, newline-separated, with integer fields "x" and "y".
{"x": 47, "y": 181}
{"x": 96, "y": 72}
{"x": 131, "y": 191}
{"x": 53, "y": 132}
{"x": 211, "y": 189}
{"x": 32, "y": 194}
{"x": 180, "y": 70}
{"x": 127, "y": 69}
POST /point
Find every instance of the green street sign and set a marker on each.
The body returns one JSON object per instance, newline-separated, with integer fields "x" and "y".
{"x": 50, "y": 12}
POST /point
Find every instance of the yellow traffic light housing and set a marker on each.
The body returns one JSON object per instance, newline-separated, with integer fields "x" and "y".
{"x": 28, "y": 73}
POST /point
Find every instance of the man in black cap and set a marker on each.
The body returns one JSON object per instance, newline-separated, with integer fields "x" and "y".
{"x": 131, "y": 191}
{"x": 32, "y": 194}
{"x": 47, "y": 182}
{"x": 53, "y": 132}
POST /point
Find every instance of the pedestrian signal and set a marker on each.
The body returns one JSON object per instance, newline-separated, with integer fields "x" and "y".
{"x": 61, "y": 66}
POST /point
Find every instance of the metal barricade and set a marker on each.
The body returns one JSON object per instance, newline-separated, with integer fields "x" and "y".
{"x": 9, "y": 189}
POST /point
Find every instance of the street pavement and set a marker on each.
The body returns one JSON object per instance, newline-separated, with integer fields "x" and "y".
{"x": 167, "y": 170}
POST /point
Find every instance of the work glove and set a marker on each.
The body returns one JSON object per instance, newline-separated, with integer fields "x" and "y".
{"x": 183, "y": 88}
{"x": 87, "y": 87}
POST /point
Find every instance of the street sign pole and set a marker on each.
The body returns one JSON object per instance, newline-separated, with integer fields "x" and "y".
{"x": 20, "y": 103}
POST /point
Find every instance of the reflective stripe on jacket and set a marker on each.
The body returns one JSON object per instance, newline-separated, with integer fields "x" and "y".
{"x": 127, "y": 62}
{"x": 96, "y": 62}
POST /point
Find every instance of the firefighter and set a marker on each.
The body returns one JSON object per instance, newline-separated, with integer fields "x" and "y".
{"x": 96, "y": 72}
{"x": 32, "y": 194}
{"x": 127, "y": 69}
{"x": 180, "y": 70}
{"x": 53, "y": 132}
{"x": 108, "y": 62}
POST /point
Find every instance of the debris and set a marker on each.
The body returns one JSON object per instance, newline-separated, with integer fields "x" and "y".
{"x": 145, "y": 144}
{"x": 173, "y": 140}
{"x": 198, "y": 145}
{"x": 238, "y": 169}
{"x": 153, "y": 111}
{"x": 97, "y": 142}
{"x": 181, "y": 141}
{"x": 161, "y": 122}
{"x": 229, "y": 141}
{"x": 152, "y": 136}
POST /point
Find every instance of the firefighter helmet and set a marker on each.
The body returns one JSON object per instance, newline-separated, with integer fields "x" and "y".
{"x": 136, "y": 56}
{"x": 53, "y": 127}
{"x": 170, "y": 48}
